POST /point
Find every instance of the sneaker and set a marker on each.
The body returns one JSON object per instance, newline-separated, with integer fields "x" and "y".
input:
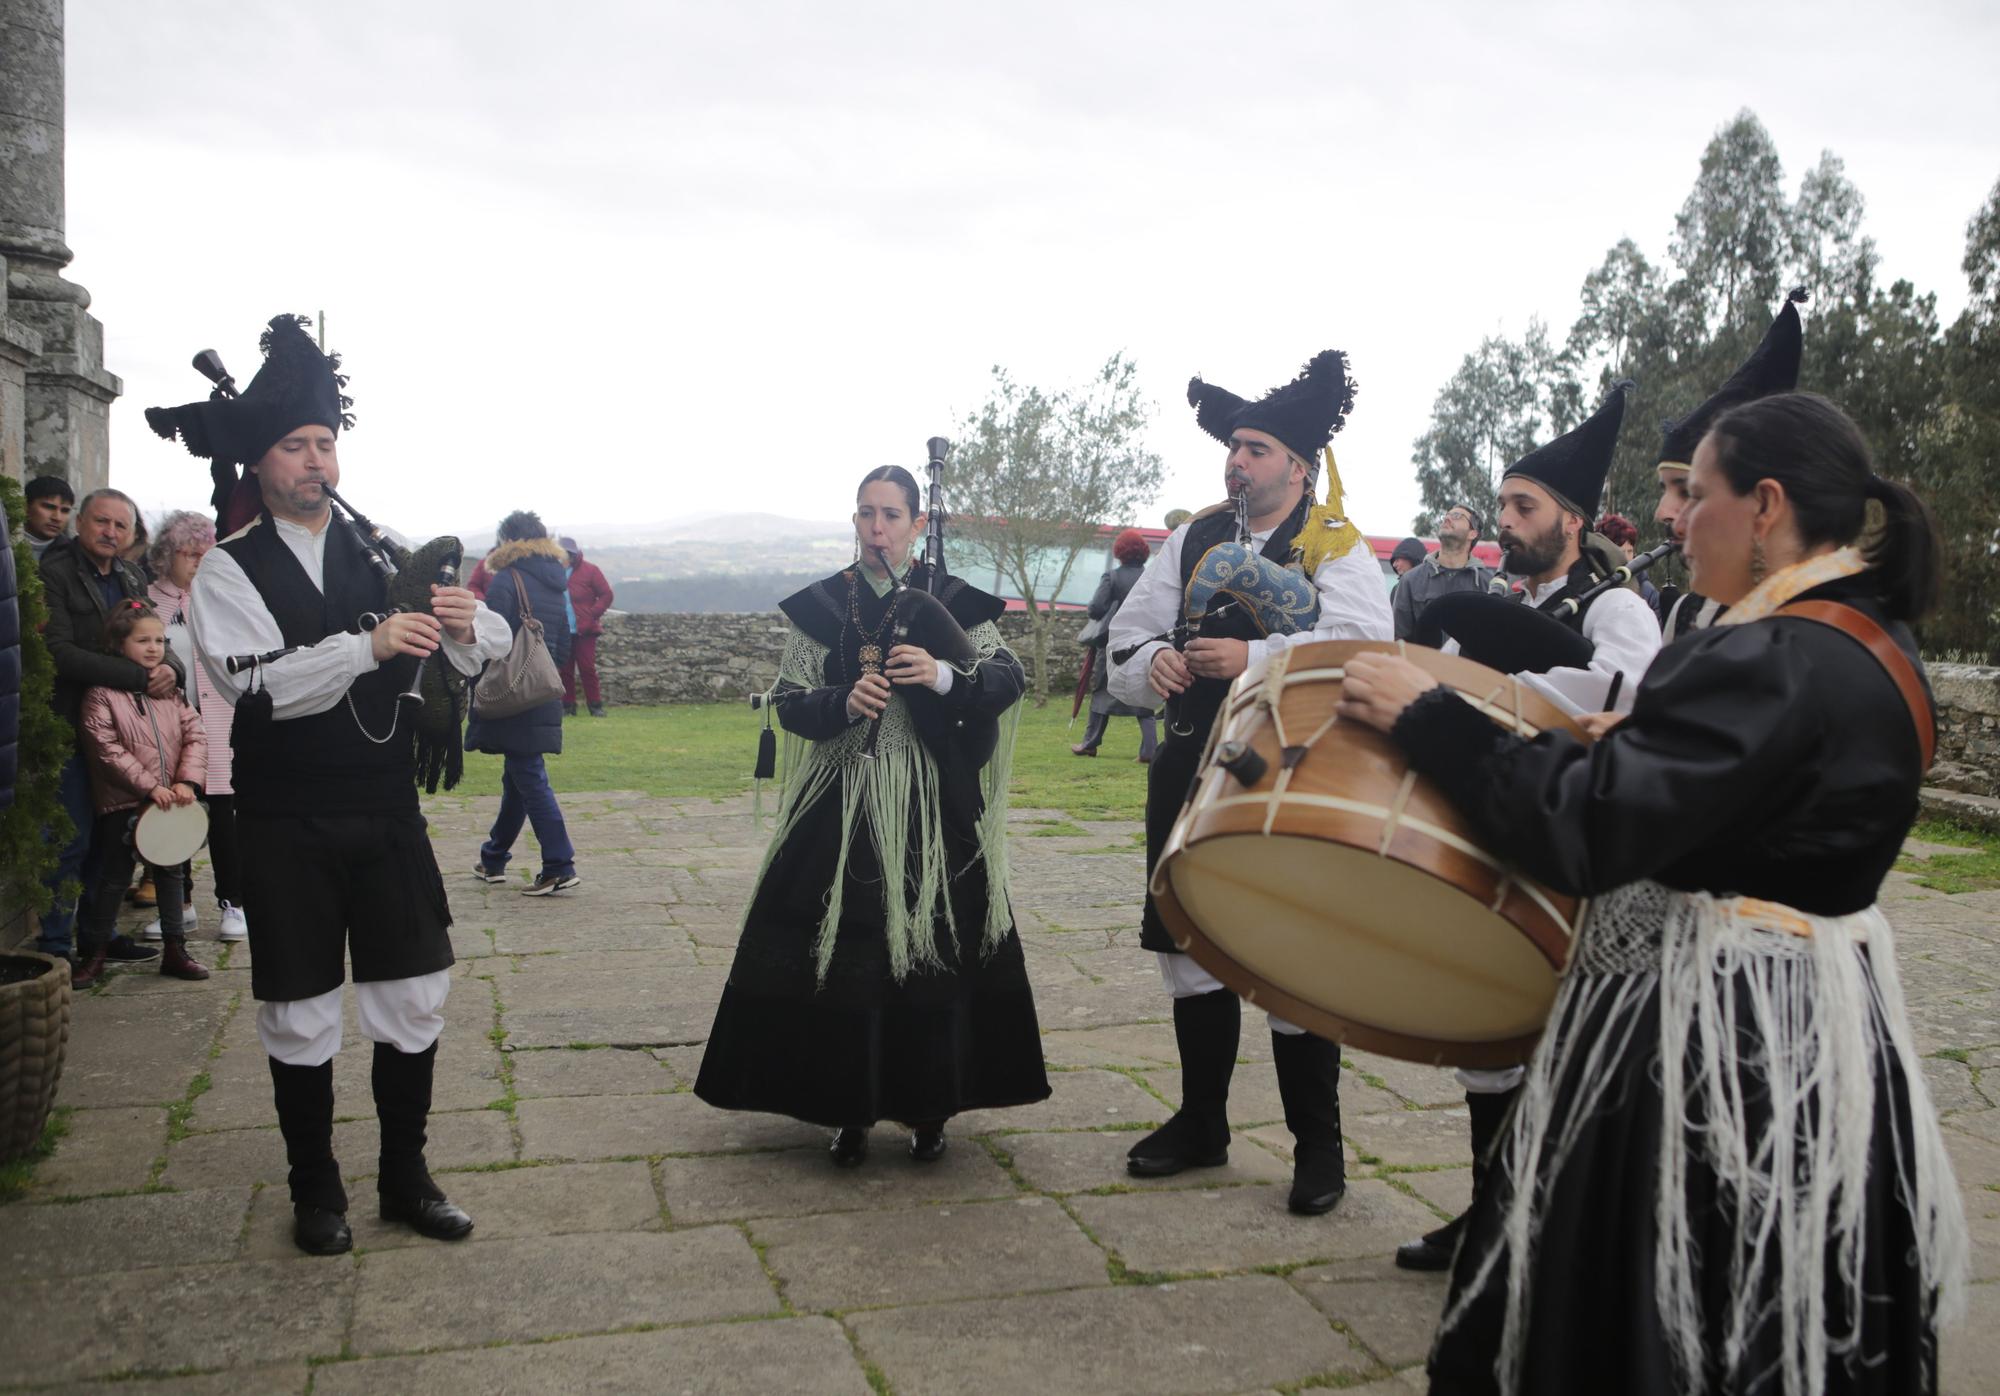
{"x": 125, "y": 950}
{"x": 234, "y": 926}
{"x": 569, "y": 710}
{"x": 551, "y": 882}
{"x": 597, "y": 710}
{"x": 486, "y": 874}
{"x": 153, "y": 932}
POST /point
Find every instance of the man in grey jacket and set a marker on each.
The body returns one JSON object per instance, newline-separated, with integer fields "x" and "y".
{"x": 1451, "y": 568}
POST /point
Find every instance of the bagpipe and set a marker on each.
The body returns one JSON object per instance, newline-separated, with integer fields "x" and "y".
{"x": 1502, "y": 632}
{"x": 435, "y": 695}
{"x": 1235, "y": 592}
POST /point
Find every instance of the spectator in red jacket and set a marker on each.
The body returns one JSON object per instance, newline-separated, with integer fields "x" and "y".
{"x": 589, "y": 598}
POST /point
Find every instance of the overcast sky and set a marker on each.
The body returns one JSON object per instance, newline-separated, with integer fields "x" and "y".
{"x": 625, "y": 261}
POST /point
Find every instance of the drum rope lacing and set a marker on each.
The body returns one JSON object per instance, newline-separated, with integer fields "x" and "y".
{"x": 1289, "y": 756}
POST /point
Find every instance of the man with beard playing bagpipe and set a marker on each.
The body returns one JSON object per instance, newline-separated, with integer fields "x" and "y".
{"x": 1575, "y": 635}
{"x": 292, "y": 616}
{"x": 1267, "y": 569}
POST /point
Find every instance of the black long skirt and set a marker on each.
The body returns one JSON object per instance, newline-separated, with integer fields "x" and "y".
{"x": 1594, "y": 1324}
{"x": 862, "y": 1046}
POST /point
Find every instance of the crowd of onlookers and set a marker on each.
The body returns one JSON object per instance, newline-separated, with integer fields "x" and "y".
{"x": 151, "y": 732}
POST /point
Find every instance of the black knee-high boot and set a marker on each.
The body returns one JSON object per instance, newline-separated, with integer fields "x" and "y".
{"x": 402, "y": 1083}
{"x": 304, "y": 1097}
{"x": 1488, "y": 1112}
{"x": 1205, "y": 1028}
{"x": 1309, "y": 1085}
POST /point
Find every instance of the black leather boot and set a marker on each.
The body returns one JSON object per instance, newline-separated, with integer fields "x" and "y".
{"x": 304, "y": 1097}
{"x": 850, "y": 1146}
{"x": 927, "y": 1141}
{"x": 1309, "y": 1085}
{"x": 1205, "y": 1028}
{"x": 402, "y": 1082}
{"x": 1434, "y": 1250}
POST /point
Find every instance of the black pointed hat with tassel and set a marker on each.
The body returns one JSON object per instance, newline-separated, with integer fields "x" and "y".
{"x": 296, "y": 386}
{"x": 1573, "y": 467}
{"x": 1773, "y": 367}
{"x": 1303, "y": 414}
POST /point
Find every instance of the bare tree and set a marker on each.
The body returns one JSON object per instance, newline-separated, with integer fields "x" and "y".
{"x": 1036, "y": 473}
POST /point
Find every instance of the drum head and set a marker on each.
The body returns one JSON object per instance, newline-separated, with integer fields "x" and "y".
{"x": 1299, "y": 912}
{"x": 165, "y": 837}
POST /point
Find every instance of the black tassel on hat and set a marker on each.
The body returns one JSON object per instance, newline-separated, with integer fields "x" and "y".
{"x": 1303, "y": 414}
{"x": 1573, "y": 467}
{"x": 1773, "y": 367}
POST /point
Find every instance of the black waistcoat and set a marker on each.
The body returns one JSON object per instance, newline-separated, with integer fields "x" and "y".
{"x": 1198, "y": 706}
{"x": 326, "y": 763}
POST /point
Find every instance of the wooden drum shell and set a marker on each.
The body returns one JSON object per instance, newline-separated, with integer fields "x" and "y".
{"x": 1357, "y": 902}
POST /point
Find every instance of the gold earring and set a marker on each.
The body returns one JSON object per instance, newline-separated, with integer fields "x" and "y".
{"x": 1758, "y": 565}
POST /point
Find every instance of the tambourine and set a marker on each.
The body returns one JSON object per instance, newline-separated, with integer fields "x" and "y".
{"x": 166, "y": 838}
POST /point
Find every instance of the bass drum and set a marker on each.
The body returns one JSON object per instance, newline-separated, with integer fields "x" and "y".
{"x": 1321, "y": 878}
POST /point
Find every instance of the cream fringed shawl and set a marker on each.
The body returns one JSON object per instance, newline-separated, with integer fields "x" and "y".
{"x": 896, "y": 798}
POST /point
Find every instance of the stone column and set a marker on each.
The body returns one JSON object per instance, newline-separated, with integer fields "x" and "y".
{"x": 63, "y": 418}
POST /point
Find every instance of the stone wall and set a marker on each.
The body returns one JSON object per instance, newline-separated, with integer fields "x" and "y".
{"x": 1968, "y": 749}
{"x": 722, "y": 657}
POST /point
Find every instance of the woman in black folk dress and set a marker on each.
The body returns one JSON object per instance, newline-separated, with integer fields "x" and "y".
{"x": 1724, "y": 1174}
{"x": 879, "y": 976}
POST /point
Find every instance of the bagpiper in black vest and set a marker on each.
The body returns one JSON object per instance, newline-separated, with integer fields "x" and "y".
{"x": 354, "y": 758}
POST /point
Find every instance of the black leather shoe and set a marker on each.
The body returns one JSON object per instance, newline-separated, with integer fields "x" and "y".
{"x": 317, "y": 1231}
{"x": 428, "y": 1216}
{"x": 850, "y": 1146}
{"x": 1317, "y": 1186}
{"x": 1181, "y": 1143}
{"x": 927, "y": 1143}
{"x": 1433, "y": 1250}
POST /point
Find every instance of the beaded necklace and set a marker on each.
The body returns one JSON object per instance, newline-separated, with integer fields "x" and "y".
{"x": 870, "y": 652}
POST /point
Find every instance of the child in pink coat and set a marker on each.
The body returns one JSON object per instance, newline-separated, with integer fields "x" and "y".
{"x": 141, "y": 751}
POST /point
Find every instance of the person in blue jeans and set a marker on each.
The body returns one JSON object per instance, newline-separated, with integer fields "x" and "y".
{"x": 529, "y": 577}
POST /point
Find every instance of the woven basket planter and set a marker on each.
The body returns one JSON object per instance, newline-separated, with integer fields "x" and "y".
{"x": 34, "y": 1029}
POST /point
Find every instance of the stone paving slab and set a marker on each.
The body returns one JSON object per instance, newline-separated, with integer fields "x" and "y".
{"x": 872, "y": 1259}
{"x": 1392, "y": 1312}
{"x": 274, "y": 1379}
{"x": 1083, "y": 1162}
{"x": 110, "y": 1150}
{"x": 1136, "y": 1045}
{"x": 1087, "y": 1099}
{"x": 549, "y": 1005}
{"x": 123, "y": 1233}
{"x": 1241, "y": 1228}
{"x": 806, "y": 1356}
{"x": 608, "y": 1071}
{"x": 141, "y": 1049}
{"x": 476, "y": 1292}
{"x": 459, "y": 1140}
{"x": 798, "y": 1182}
{"x": 593, "y": 1127}
{"x": 198, "y": 1316}
{"x": 1411, "y": 1138}
{"x": 551, "y": 1200}
{"x": 1136, "y": 1340}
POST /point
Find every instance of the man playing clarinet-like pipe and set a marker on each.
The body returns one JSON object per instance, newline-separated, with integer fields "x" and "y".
{"x": 338, "y": 863}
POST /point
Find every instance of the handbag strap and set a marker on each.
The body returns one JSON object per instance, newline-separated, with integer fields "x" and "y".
{"x": 521, "y": 591}
{"x": 1887, "y": 653}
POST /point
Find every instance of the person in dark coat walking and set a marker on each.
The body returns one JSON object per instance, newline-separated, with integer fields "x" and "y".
{"x": 527, "y": 566}
{"x": 1130, "y": 552}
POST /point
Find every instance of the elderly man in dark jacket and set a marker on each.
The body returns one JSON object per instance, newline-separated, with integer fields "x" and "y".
{"x": 529, "y": 577}
{"x": 82, "y": 579}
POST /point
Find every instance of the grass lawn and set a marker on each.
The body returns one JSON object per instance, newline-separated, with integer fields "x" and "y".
{"x": 709, "y": 749}
{"x": 1977, "y": 869}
